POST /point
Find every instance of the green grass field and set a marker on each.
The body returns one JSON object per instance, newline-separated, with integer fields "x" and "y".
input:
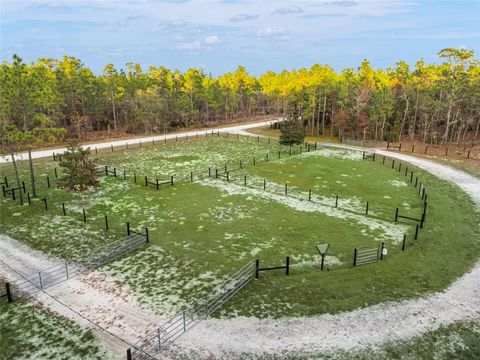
{"x": 27, "y": 332}
{"x": 204, "y": 230}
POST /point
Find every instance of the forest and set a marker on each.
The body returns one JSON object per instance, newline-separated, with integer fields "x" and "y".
{"x": 435, "y": 103}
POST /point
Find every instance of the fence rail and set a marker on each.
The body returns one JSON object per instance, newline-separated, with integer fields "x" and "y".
{"x": 46, "y": 278}
{"x": 159, "y": 340}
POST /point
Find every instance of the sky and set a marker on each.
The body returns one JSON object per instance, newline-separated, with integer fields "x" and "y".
{"x": 219, "y": 35}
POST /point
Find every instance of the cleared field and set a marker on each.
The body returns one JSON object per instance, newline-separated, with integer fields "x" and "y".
{"x": 204, "y": 230}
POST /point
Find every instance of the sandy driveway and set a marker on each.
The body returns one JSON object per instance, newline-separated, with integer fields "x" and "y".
{"x": 102, "y": 145}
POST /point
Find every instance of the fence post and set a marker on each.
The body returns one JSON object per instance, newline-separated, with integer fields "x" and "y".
{"x": 191, "y": 175}
{"x": 129, "y": 354}
{"x": 257, "y": 266}
{"x": 64, "y": 211}
{"x": 393, "y": 163}
{"x": 3, "y": 189}
{"x": 128, "y": 228}
{"x": 381, "y": 250}
{"x": 355, "y": 257}
{"x": 254, "y": 161}
{"x": 310, "y": 195}
{"x": 29, "y": 200}
{"x": 114, "y": 172}
{"x": 416, "y": 232}
{"x": 426, "y": 148}
{"x": 245, "y": 180}
{"x": 416, "y": 181}
{"x": 106, "y": 170}
{"x": 146, "y": 181}
{"x": 40, "y": 280}
{"x": 111, "y": 147}
{"x": 66, "y": 269}
{"x": 286, "y": 189}
{"x": 403, "y": 243}
{"x": 363, "y": 155}
{"x": 264, "y": 184}
{"x": 135, "y": 177}
{"x": 336, "y": 201}
{"x": 124, "y": 175}
{"x": 9, "y": 292}
{"x": 228, "y": 178}
{"x": 267, "y": 157}
{"x": 106, "y": 222}
{"x": 184, "y": 321}
{"x": 366, "y": 210}
{"x": 396, "y": 215}
{"x": 45, "y": 201}
{"x": 411, "y": 177}
{"x": 468, "y": 154}
{"x": 48, "y": 182}
{"x": 158, "y": 333}
{"x": 388, "y": 145}
{"x": 56, "y": 174}
{"x": 287, "y": 270}
{"x": 84, "y": 216}
{"x": 147, "y": 236}
{"x": 157, "y": 183}
{"x": 171, "y": 179}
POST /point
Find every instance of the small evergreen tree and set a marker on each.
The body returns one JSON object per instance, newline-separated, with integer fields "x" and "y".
{"x": 78, "y": 169}
{"x": 291, "y": 130}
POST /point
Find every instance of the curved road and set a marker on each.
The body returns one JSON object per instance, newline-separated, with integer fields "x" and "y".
{"x": 101, "y": 145}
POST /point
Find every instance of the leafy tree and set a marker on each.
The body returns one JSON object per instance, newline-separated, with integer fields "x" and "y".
{"x": 291, "y": 130}
{"x": 79, "y": 169}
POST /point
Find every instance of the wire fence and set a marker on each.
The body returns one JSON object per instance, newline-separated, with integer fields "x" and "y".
{"x": 161, "y": 338}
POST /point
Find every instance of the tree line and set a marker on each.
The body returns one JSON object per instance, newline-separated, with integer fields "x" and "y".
{"x": 435, "y": 103}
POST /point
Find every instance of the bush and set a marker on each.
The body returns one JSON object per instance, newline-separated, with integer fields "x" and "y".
{"x": 291, "y": 132}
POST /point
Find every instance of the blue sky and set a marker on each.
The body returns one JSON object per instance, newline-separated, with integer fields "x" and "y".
{"x": 220, "y": 35}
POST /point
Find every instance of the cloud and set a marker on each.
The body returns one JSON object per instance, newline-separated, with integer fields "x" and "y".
{"x": 274, "y": 33}
{"x": 211, "y": 40}
{"x": 243, "y": 17}
{"x": 48, "y": 5}
{"x": 344, "y": 3}
{"x": 191, "y": 46}
{"x": 292, "y": 9}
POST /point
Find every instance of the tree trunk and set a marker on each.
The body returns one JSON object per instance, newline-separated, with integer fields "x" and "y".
{"x": 114, "y": 113}
{"x": 32, "y": 175}
{"x": 17, "y": 177}
{"x": 412, "y": 131}
{"x": 324, "y": 111}
{"x": 404, "y": 118}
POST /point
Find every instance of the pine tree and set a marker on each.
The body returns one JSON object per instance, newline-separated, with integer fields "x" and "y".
{"x": 291, "y": 130}
{"x": 78, "y": 169}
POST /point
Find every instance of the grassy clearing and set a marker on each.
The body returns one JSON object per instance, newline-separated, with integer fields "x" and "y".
{"x": 27, "y": 332}
{"x": 203, "y": 231}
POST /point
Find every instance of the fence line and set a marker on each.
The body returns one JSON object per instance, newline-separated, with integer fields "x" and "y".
{"x": 46, "y": 278}
{"x": 159, "y": 339}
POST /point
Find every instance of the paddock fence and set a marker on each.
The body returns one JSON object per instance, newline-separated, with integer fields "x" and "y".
{"x": 46, "y": 278}
{"x": 159, "y": 340}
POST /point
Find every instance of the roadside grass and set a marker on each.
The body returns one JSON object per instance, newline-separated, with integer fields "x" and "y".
{"x": 203, "y": 231}
{"x": 27, "y": 332}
